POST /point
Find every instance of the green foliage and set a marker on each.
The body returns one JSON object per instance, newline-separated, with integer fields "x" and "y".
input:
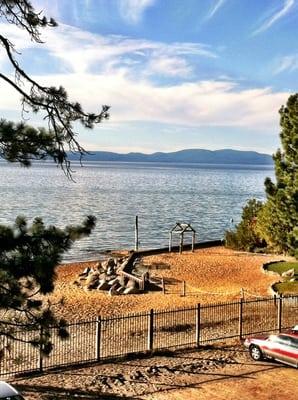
{"x": 278, "y": 221}
{"x": 246, "y": 236}
{"x": 22, "y": 143}
{"x": 22, "y": 14}
{"x": 28, "y": 257}
{"x": 52, "y": 102}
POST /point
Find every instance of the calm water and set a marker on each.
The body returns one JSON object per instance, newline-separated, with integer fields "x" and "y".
{"x": 160, "y": 194}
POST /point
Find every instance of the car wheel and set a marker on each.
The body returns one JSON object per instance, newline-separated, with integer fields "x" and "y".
{"x": 255, "y": 353}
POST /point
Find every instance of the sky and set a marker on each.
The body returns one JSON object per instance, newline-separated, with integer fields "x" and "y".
{"x": 177, "y": 74}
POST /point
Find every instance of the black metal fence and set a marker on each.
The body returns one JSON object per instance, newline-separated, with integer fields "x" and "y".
{"x": 111, "y": 337}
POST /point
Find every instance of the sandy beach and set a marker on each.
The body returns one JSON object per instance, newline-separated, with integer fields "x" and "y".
{"x": 213, "y": 274}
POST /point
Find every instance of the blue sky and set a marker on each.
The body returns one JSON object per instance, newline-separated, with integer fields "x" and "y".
{"x": 177, "y": 73}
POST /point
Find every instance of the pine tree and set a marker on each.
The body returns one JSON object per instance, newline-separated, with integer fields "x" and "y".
{"x": 278, "y": 221}
{"x": 28, "y": 257}
{"x": 29, "y": 254}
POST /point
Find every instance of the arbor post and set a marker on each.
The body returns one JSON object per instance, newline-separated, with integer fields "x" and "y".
{"x": 193, "y": 242}
{"x": 181, "y": 243}
{"x": 170, "y": 242}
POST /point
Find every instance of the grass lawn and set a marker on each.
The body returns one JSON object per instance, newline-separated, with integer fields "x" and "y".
{"x": 281, "y": 267}
{"x": 285, "y": 287}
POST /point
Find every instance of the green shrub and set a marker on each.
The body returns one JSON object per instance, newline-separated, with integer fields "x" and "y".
{"x": 245, "y": 236}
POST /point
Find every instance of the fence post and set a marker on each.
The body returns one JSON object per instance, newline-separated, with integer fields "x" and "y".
{"x": 183, "y": 288}
{"x": 40, "y": 361}
{"x": 198, "y": 324}
{"x": 240, "y": 327}
{"x": 163, "y": 286}
{"x": 279, "y": 313}
{"x": 98, "y": 338}
{"x": 274, "y": 296}
{"x": 150, "y": 330}
{"x": 137, "y": 233}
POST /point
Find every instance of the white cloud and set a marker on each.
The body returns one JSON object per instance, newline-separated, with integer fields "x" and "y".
{"x": 169, "y": 66}
{"x": 287, "y": 5}
{"x": 287, "y": 63}
{"x": 203, "y": 103}
{"x": 132, "y": 10}
{"x": 218, "y": 4}
{"x": 134, "y": 97}
{"x": 79, "y": 50}
{"x": 51, "y": 8}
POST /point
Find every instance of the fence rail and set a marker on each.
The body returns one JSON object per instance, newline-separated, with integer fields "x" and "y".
{"x": 110, "y": 337}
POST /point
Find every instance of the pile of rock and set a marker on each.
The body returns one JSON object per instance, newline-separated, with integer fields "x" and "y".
{"x": 289, "y": 274}
{"x": 110, "y": 276}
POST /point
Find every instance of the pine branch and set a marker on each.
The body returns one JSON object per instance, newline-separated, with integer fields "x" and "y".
{"x": 52, "y": 102}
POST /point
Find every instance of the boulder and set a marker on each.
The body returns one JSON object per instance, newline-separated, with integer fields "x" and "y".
{"x": 123, "y": 265}
{"x": 97, "y": 266}
{"x": 111, "y": 282}
{"x": 110, "y": 270}
{"x": 111, "y": 263}
{"x": 113, "y": 290}
{"x": 104, "y": 265}
{"x": 110, "y": 277}
{"x": 122, "y": 280}
{"x": 120, "y": 289}
{"x": 290, "y": 273}
{"x": 85, "y": 272}
{"x": 92, "y": 280}
{"x": 131, "y": 284}
{"x": 103, "y": 285}
{"x": 131, "y": 290}
{"x": 102, "y": 275}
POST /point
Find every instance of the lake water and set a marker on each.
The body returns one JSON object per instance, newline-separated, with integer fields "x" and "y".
{"x": 207, "y": 196}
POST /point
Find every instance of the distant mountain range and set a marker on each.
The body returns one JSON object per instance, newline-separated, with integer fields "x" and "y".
{"x": 201, "y": 156}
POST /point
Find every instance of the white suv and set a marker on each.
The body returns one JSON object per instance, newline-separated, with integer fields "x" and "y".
{"x": 7, "y": 392}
